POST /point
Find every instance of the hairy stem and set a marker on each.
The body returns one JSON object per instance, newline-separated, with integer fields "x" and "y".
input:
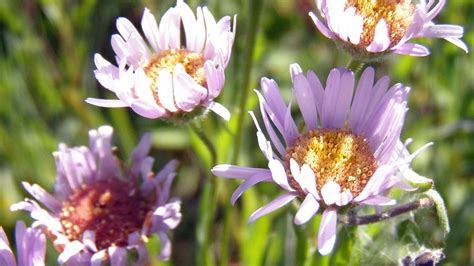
{"x": 356, "y": 66}
{"x": 368, "y": 219}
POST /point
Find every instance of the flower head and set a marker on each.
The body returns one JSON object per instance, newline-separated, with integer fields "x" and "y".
{"x": 371, "y": 28}
{"x": 163, "y": 76}
{"x": 100, "y": 208}
{"x": 349, "y": 152}
{"x": 30, "y": 247}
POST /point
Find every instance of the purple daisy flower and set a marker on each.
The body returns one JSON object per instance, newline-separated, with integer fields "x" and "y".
{"x": 160, "y": 76}
{"x": 30, "y": 247}
{"x": 101, "y": 207}
{"x": 348, "y": 154}
{"x": 368, "y": 29}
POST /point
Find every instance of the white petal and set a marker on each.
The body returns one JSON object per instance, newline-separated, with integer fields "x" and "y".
{"x": 279, "y": 174}
{"x": 327, "y": 231}
{"x": 307, "y": 210}
{"x": 381, "y": 38}
{"x": 330, "y": 192}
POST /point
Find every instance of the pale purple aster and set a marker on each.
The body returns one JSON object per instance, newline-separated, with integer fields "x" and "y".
{"x": 162, "y": 76}
{"x": 30, "y": 247}
{"x": 369, "y": 29}
{"x": 102, "y": 207}
{"x": 349, "y": 152}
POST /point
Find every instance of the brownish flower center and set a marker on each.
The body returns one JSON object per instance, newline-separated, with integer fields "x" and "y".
{"x": 397, "y": 13}
{"x": 192, "y": 62}
{"x": 334, "y": 155}
{"x": 111, "y": 208}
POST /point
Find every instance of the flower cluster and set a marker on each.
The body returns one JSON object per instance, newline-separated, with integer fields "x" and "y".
{"x": 163, "y": 76}
{"x": 368, "y": 29}
{"x": 100, "y": 210}
{"x": 346, "y": 152}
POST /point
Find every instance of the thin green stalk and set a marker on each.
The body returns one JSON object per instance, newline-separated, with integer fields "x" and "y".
{"x": 208, "y": 204}
{"x": 210, "y": 146}
{"x": 255, "y": 9}
{"x": 226, "y": 234}
{"x": 303, "y": 245}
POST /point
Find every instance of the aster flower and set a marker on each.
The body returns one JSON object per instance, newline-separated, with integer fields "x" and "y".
{"x": 370, "y": 28}
{"x": 101, "y": 208}
{"x": 348, "y": 154}
{"x": 163, "y": 76}
{"x": 30, "y": 247}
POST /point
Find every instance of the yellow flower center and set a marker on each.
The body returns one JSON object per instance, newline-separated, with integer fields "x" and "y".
{"x": 397, "y": 13}
{"x": 192, "y": 62}
{"x": 111, "y": 208}
{"x": 335, "y": 155}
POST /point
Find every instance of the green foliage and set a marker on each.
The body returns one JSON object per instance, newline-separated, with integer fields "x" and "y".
{"x": 46, "y": 72}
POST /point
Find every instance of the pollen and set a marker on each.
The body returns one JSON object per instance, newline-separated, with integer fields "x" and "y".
{"x": 397, "y": 13}
{"x": 193, "y": 64}
{"x": 335, "y": 155}
{"x": 111, "y": 208}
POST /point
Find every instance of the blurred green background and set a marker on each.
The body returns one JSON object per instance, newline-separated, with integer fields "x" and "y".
{"x": 46, "y": 72}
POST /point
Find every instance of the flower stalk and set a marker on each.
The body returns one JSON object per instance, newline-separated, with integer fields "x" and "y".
{"x": 369, "y": 219}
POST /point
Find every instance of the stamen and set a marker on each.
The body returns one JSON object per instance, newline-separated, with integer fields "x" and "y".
{"x": 397, "y": 13}
{"x": 192, "y": 62}
{"x": 335, "y": 155}
{"x": 111, "y": 208}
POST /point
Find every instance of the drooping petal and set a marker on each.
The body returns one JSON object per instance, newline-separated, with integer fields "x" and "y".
{"x": 327, "y": 231}
{"x": 277, "y": 203}
{"x": 307, "y": 210}
{"x": 165, "y": 245}
{"x": 249, "y": 182}
{"x": 219, "y": 109}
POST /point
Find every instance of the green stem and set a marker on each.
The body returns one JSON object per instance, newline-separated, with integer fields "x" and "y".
{"x": 207, "y": 210}
{"x": 208, "y": 204}
{"x": 210, "y": 146}
{"x": 303, "y": 250}
{"x": 226, "y": 234}
{"x": 344, "y": 253}
{"x": 255, "y": 7}
{"x": 356, "y": 66}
